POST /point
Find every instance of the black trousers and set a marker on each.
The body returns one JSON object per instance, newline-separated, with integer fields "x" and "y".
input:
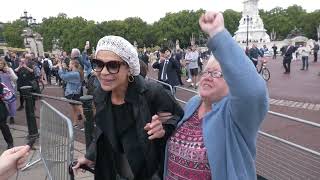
{"x": 6, "y": 132}
{"x": 286, "y": 65}
{"x": 48, "y": 75}
{"x": 315, "y": 54}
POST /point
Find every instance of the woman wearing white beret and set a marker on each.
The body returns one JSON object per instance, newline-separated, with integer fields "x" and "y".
{"x": 134, "y": 117}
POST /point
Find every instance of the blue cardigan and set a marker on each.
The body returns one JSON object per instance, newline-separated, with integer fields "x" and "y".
{"x": 230, "y": 129}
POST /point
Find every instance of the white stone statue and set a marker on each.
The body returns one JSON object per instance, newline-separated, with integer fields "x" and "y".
{"x": 252, "y": 23}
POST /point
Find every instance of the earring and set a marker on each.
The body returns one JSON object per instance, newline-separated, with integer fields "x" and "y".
{"x": 130, "y": 78}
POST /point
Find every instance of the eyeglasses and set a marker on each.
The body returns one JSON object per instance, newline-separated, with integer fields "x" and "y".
{"x": 213, "y": 74}
{"x": 112, "y": 66}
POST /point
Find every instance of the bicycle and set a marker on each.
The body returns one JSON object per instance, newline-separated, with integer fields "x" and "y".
{"x": 264, "y": 71}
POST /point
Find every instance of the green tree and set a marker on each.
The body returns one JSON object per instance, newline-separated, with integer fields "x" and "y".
{"x": 231, "y": 20}
{"x": 180, "y": 26}
{"x": 12, "y": 33}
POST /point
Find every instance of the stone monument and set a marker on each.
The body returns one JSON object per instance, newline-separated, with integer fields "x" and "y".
{"x": 252, "y": 24}
{"x": 33, "y": 42}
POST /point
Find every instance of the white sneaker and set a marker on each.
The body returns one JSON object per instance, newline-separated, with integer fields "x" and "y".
{"x": 189, "y": 80}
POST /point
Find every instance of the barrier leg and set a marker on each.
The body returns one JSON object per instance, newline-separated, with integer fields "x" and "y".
{"x": 88, "y": 113}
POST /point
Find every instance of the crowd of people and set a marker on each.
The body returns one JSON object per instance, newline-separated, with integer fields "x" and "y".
{"x": 289, "y": 53}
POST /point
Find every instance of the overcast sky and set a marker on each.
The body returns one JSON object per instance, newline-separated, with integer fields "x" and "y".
{"x": 148, "y": 10}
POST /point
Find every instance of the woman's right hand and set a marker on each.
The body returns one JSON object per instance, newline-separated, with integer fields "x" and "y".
{"x": 81, "y": 161}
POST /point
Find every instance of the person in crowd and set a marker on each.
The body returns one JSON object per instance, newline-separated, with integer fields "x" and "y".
{"x": 12, "y": 160}
{"x": 130, "y": 136}
{"x": 55, "y": 69}
{"x": 76, "y": 55}
{"x": 145, "y": 57}
{"x": 26, "y": 77}
{"x": 304, "y": 51}
{"x": 3, "y": 121}
{"x": 192, "y": 58}
{"x": 274, "y": 47}
{"x": 178, "y": 57}
{"x": 168, "y": 68}
{"x": 187, "y": 58}
{"x": 254, "y": 54}
{"x": 216, "y": 138}
{"x": 73, "y": 79}
{"x": 86, "y": 62}
{"x": 200, "y": 61}
{"x": 287, "y": 57}
{"x": 315, "y": 51}
{"x": 9, "y": 78}
{"x": 65, "y": 58}
{"x": 7, "y": 58}
{"x": 143, "y": 69}
{"x": 14, "y": 60}
{"x": 47, "y": 67}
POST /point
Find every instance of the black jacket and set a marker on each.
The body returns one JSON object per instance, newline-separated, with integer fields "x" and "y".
{"x": 172, "y": 68}
{"x": 145, "y": 100}
{"x": 288, "y": 52}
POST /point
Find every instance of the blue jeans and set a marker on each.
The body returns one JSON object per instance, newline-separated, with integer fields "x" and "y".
{"x": 305, "y": 63}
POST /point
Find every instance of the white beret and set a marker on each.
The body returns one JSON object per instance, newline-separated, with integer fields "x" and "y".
{"x": 122, "y": 48}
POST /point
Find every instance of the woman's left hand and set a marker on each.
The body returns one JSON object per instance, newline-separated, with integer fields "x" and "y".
{"x": 155, "y": 129}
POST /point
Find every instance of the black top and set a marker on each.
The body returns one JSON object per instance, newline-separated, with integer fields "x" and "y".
{"x": 122, "y": 121}
{"x": 124, "y": 128}
{"x": 24, "y": 76}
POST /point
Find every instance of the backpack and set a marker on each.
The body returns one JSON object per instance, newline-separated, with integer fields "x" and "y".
{"x": 46, "y": 65}
{"x": 6, "y": 95}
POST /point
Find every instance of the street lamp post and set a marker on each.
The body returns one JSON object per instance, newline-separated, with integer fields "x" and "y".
{"x": 26, "y": 18}
{"x": 247, "y": 19}
{"x": 273, "y": 35}
{"x": 318, "y": 32}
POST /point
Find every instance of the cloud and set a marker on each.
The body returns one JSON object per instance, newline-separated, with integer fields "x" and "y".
{"x": 148, "y": 10}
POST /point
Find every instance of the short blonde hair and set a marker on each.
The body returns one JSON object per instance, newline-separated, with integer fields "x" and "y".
{"x": 212, "y": 62}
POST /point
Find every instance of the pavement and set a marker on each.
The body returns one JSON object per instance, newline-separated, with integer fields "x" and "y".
{"x": 37, "y": 171}
{"x": 295, "y": 94}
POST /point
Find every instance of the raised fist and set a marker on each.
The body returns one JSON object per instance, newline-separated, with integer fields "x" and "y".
{"x": 211, "y": 23}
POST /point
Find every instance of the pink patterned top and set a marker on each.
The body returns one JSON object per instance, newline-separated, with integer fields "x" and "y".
{"x": 187, "y": 155}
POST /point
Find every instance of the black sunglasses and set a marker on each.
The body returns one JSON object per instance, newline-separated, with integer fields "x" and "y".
{"x": 112, "y": 66}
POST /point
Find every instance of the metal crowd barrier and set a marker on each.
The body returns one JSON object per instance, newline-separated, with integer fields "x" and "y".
{"x": 56, "y": 133}
{"x": 278, "y": 158}
{"x": 56, "y": 142}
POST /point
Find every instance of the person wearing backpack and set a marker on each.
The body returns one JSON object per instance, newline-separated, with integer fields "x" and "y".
{"x": 47, "y": 66}
{"x": 3, "y": 121}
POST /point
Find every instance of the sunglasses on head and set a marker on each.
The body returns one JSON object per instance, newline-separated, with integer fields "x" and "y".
{"x": 112, "y": 66}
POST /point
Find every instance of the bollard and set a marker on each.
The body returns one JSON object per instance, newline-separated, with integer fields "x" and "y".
{"x": 29, "y": 109}
{"x": 88, "y": 113}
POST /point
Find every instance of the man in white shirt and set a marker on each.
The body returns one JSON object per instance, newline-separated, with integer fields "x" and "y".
{"x": 304, "y": 51}
{"x": 193, "y": 65}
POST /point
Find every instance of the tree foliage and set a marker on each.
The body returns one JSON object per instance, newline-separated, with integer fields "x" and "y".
{"x": 12, "y": 33}
{"x": 73, "y": 32}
